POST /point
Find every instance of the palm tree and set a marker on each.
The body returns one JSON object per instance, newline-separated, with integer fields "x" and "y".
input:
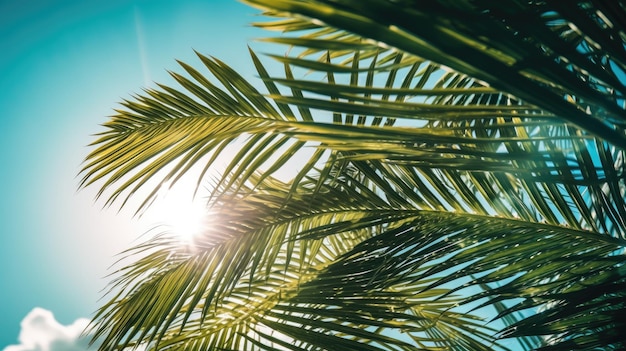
{"x": 465, "y": 190}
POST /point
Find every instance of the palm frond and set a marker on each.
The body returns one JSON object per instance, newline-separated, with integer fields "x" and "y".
{"x": 474, "y": 146}
{"x": 441, "y": 187}
{"x": 555, "y": 53}
{"x": 169, "y": 128}
{"x": 248, "y": 242}
{"x": 400, "y": 270}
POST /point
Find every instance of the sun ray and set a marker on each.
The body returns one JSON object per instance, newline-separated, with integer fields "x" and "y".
{"x": 141, "y": 46}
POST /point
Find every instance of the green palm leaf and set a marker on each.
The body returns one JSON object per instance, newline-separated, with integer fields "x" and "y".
{"x": 489, "y": 42}
{"x": 433, "y": 195}
{"x": 404, "y": 257}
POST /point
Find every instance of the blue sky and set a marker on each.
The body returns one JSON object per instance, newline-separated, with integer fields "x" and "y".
{"x": 64, "y": 66}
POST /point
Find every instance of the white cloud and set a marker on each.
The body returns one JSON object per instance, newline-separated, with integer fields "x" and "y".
{"x": 40, "y": 331}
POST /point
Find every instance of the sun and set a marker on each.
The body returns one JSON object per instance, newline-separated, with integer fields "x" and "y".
{"x": 176, "y": 210}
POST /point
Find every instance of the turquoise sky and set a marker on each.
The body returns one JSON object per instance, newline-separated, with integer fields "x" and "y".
{"x": 64, "y": 65}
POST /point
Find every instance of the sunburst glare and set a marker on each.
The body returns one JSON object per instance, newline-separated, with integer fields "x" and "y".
{"x": 178, "y": 211}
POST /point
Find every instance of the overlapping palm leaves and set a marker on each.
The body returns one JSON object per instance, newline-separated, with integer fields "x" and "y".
{"x": 539, "y": 51}
{"x": 432, "y": 200}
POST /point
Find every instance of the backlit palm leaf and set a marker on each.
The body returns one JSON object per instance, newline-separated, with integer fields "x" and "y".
{"x": 542, "y": 52}
{"x": 432, "y": 198}
{"x": 579, "y": 175}
{"x": 269, "y": 287}
{"x": 254, "y": 270}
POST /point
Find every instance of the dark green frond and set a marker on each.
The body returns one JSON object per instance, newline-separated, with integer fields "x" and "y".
{"x": 545, "y": 53}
